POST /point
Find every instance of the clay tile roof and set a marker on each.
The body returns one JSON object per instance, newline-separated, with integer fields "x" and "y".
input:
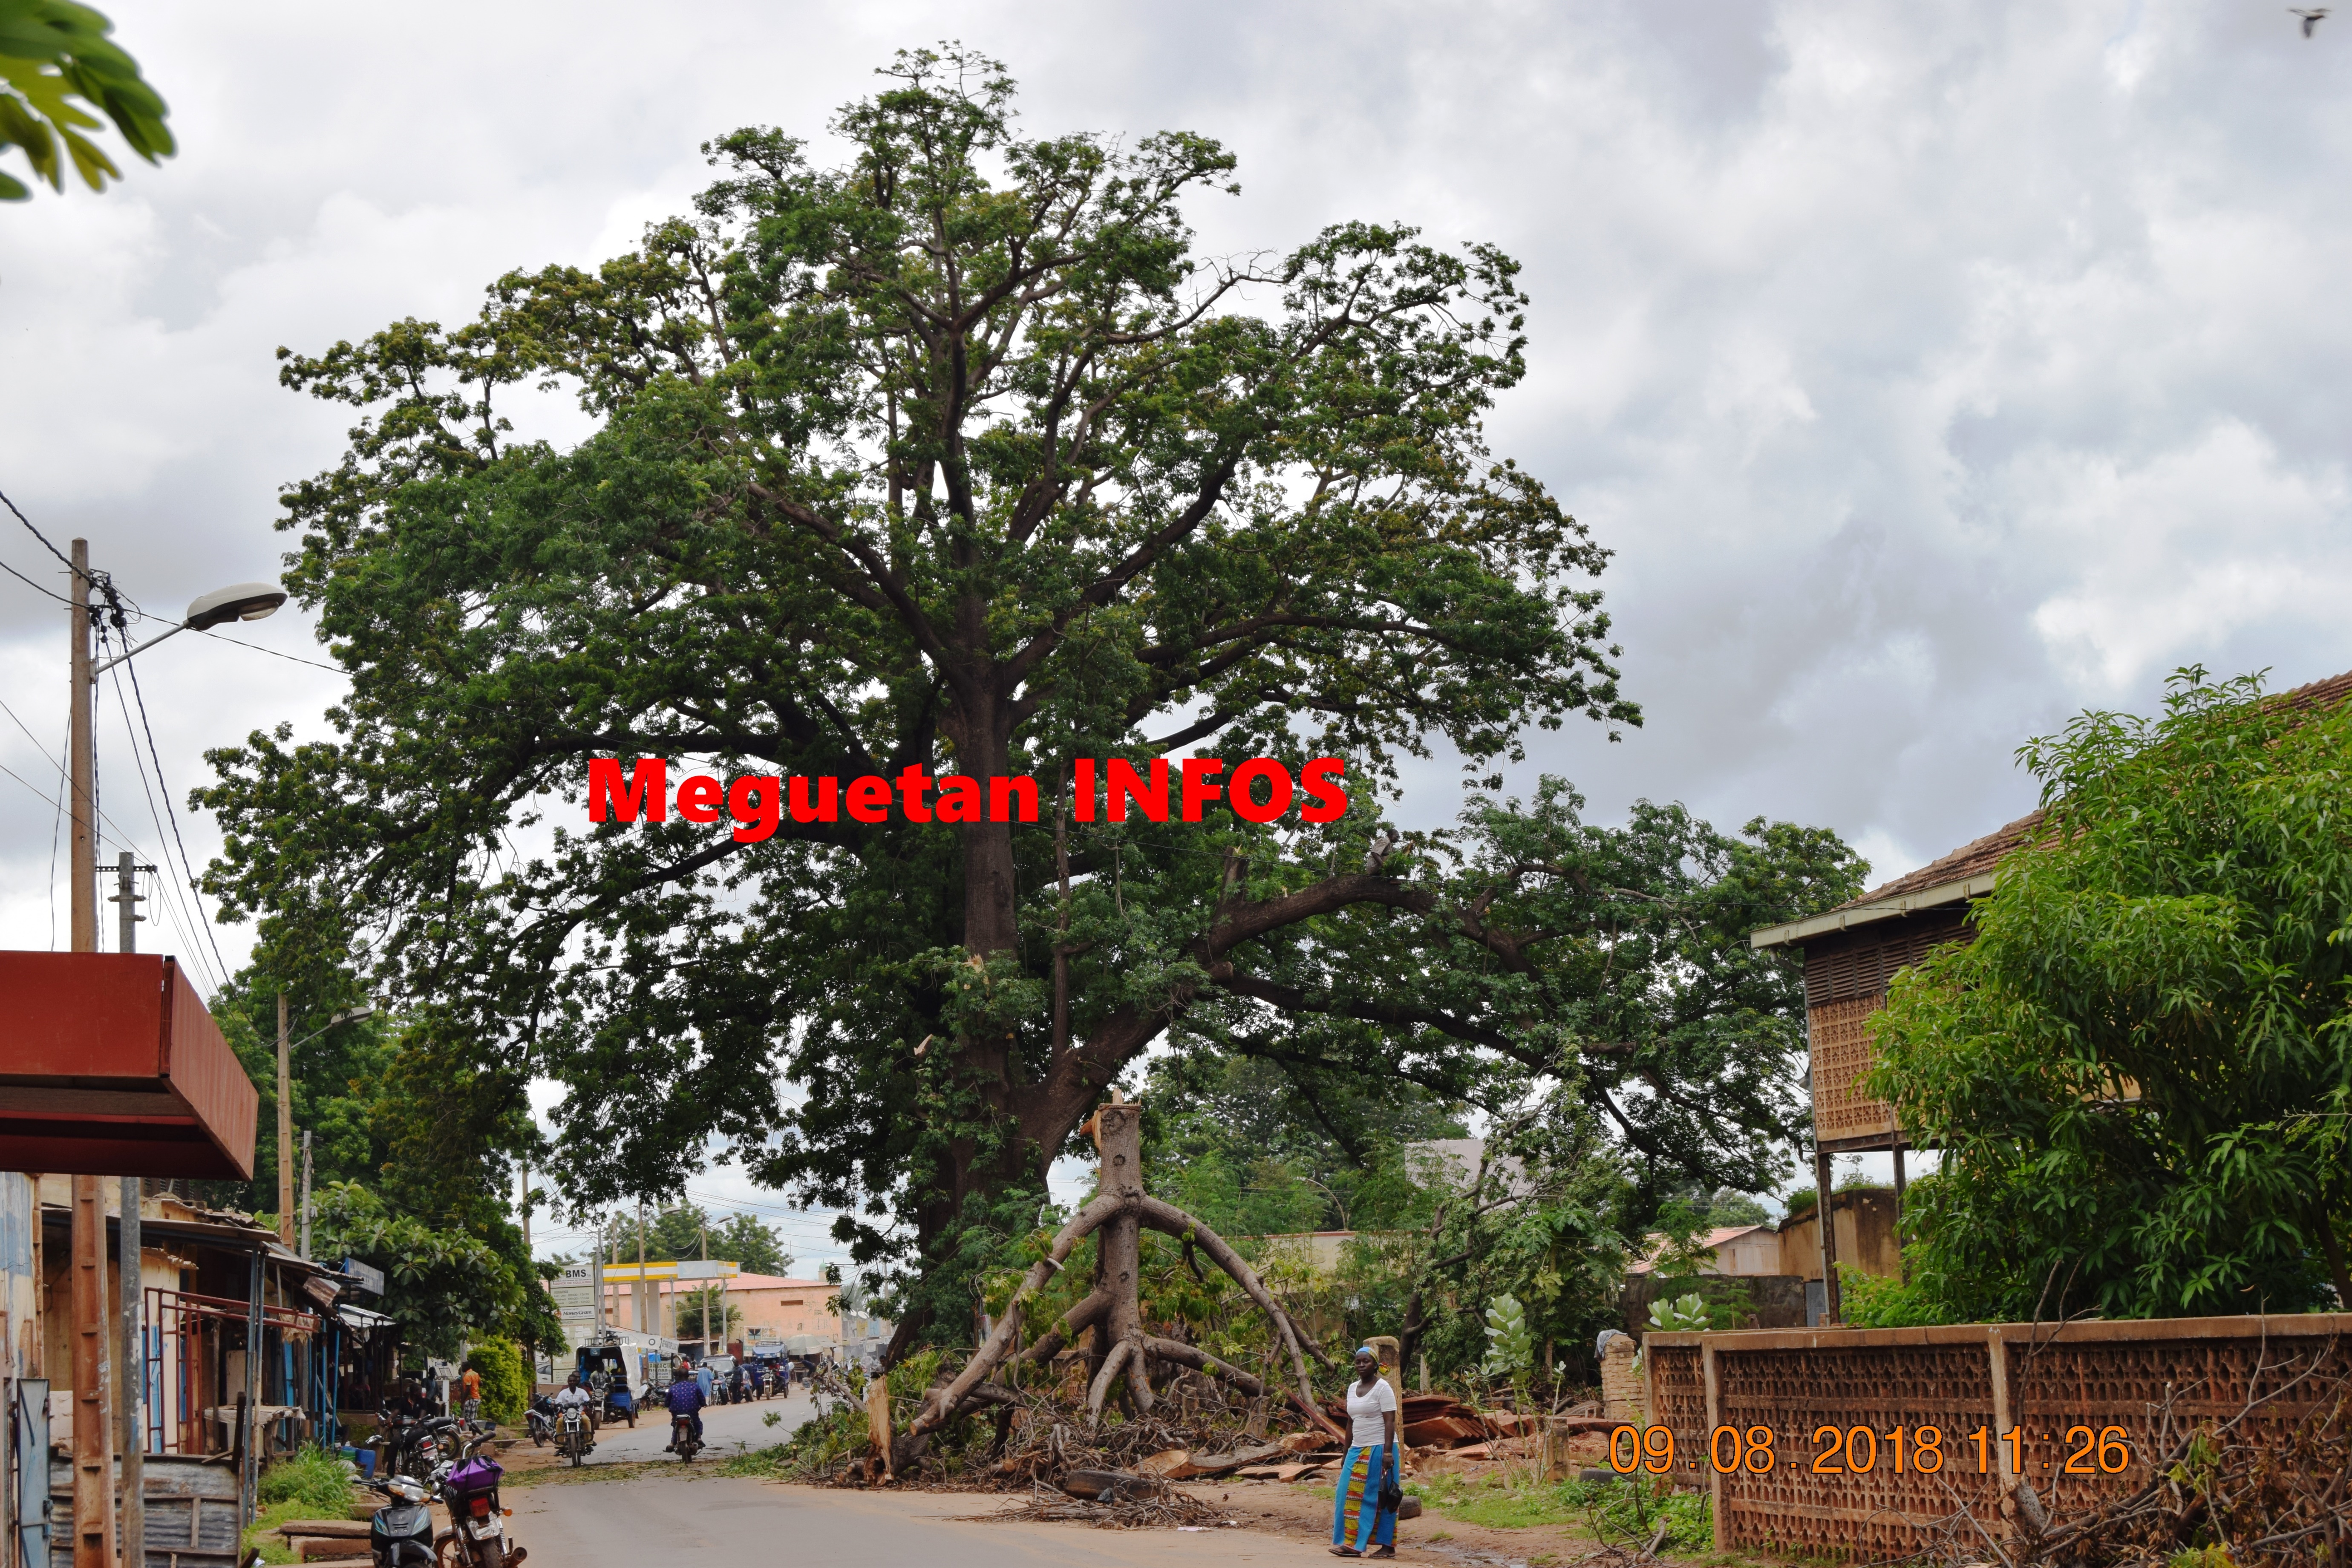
{"x": 1981, "y": 855}
{"x": 1970, "y": 860}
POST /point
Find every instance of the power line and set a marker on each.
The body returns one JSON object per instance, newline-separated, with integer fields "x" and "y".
{"x": 37, "y": 534}
{"x": 36, "y": 587}
{"x": 257, "y": 647}
{"x": 172, "y": 816}
{"x": 180, "y": 917}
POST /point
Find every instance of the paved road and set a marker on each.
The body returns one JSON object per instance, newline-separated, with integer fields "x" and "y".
{"x": 725, "y": 1430}
{"x": 708, "y": 1522}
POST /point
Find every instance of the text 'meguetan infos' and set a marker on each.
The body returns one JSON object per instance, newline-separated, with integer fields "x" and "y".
{"x": 1259, "y": 790}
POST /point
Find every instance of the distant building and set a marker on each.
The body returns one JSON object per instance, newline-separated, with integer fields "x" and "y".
{"x": 1737, "y": 1248}
{"x": 779, "y": 1313}
{"x": 1453, "y": 1162}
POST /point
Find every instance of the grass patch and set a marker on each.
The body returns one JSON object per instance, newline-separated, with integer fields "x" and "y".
{"x": 1609, "y": 1510}
{"x": 310, "y": 1484}
{"x": 759, "y": 1464}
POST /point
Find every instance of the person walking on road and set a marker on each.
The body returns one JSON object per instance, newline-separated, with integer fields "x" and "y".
{"x": 472, "y": 1385}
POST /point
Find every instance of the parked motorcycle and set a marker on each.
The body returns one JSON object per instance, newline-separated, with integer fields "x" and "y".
{"x": 412, "y": 1448}
{"x": 401, "y": 1533}
{"x": 477, "y": 1535}
{"x": 540, "y": 1418}
{"x": 682, "y": 1438}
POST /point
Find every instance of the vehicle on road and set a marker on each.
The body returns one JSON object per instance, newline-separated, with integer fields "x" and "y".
{"x": 540, "y": 1418}
{"x": 573, "y": 1438}
{"x": 682, "y": 1438}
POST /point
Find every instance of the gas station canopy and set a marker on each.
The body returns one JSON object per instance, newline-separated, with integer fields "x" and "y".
{"x": 110, "y": 1066}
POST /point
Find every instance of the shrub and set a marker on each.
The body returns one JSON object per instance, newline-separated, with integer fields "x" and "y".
{"x": 505, "y": 1387}
{"x": 312, "y": 1475}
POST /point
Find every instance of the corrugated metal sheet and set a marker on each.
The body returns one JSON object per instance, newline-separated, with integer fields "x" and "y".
{"x": 191, "y": 1513}
{"x": 205, "y": 1072}
{"x": 109, "y": 1065}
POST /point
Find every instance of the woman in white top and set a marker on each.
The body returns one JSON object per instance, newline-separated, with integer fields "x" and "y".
{"x": 1359, "y": 1523}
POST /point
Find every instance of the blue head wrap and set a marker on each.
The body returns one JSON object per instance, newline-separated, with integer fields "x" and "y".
{"x": 1366, "y": 1350}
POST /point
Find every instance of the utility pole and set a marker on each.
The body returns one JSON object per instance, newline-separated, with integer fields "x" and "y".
{"x": 285, "y": 1132}
{"x": 131, "y": 1386}
{"x": 638, "y": 1295}
{"x": 126, "y": 894}
{"x": 130, "y": 1378}
{"x": 93, "y": 1432}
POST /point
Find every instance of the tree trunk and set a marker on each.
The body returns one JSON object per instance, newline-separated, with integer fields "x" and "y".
{"x": 1118, "y": 1134}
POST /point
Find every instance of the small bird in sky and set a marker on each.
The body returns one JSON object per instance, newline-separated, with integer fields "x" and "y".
{"x": 2310, "y": 19}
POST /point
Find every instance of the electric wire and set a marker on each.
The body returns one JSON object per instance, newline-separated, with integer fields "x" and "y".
{"x": 56, "y": 826}
{"x": 37, "y": 534}
{"x": 296, "y": 658}
{"x": 172, "y": 816}
{"x": 167, "y": 902}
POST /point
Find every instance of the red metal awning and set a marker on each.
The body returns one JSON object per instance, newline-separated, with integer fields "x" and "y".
{"x": 110, "y": 1066}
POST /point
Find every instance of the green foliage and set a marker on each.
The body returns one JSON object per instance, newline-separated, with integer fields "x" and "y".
{"x": 705, "y": 1313}
{"x": 2140, "y": 1071}
{"x": 505, "y": 1387}
{"x": 51, "y": 53}
{"x": 1682, "y": 1315}
{"x": 442, "y": 1285}
{"x": 1885, "y": 1301}
{"x": 688, "y": 1230}
{"x": 313, "y": 1475}
{"x": 1615, "y": 1510}
{"x": 337, "y": 1072}
{"x": 956, "y": 455}
{"x": 1510, "y": 1348}
{"x": 1257, "y": 1146}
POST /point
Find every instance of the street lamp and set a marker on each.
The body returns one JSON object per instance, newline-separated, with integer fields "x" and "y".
{"x": 94, "y": 1542}
{"x": 238, "y": 602}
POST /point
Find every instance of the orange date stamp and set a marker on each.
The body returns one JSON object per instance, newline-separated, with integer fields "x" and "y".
{"x": 1862, "y": 1450}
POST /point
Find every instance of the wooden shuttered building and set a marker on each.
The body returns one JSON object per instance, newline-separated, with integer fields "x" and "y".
{"x": 1852, "y": 952}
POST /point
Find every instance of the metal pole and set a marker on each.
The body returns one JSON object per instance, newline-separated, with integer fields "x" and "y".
{"x": 250, "y": 1473}
{"x": 637, "y": 1295}
{"x": 130, "y": 1385}
{"x": 92, "y": 1431}
{"x": 306, "y": 1196}
{"x": 284, "y": 1133}
{"x": 130, "y": 1377}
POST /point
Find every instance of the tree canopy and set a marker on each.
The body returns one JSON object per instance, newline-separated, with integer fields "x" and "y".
{"x": 2140, "y": 1070}
{"x": 955, "y": 453}
{"x": 53, "y": 52}
{"x": 688, "y": 1230}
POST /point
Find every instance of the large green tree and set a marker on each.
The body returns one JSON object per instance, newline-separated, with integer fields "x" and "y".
{"x": 955, "y": 453}
{"x": 2140, "y": 1071}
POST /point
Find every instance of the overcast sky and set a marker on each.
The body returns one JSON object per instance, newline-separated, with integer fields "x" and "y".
{"x": 1935, "y": 372}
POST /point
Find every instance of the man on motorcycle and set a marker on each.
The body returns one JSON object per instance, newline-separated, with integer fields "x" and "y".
{"x": 686, "y": 1399}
